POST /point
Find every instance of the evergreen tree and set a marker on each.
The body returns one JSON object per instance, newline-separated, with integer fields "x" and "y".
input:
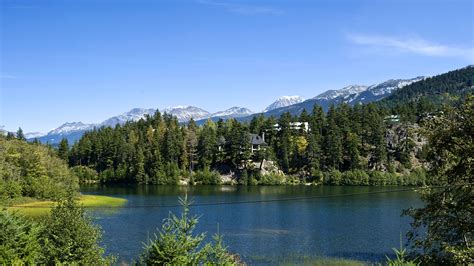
{"x": 207, "y": 144}
{"x": 20, "y": 135}
{"x": 63, "y": 149}
{"x": 333, "y": 141}
{"x": 70, "y": 237}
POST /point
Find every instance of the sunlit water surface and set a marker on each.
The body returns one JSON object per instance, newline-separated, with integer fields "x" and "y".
{"x": 363, "y": 227}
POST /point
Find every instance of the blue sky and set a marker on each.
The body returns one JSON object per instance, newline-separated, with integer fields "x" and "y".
{"x": 87, "y": 60}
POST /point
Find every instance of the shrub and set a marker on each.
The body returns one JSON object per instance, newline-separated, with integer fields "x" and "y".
{"x": 176, "y": 244}
{"x": 207, "y": 177}
{"x": 85, "y": 174}
{"x": 70, "y": 237}
{"x": 377, "y": 178}
{"x": 170, "y": 175}
{"x": 19, "y": 240}
{"x": 333, "y": 177}
{"x": 355, "y": 178}
{"x": 272, "y": 179}
{"x": 9, "y": 189}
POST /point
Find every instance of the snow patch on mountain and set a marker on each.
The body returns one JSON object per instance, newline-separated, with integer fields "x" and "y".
{"x": 283, "y": 102}
{"x": 392, "y": 85}
{"x": 233, "y": 112}
{"x": 70, "y": 127}
{"x": 185, "y": 113}
{"x": 33, "y": 135}
{"x": 350, "y": 91}
{"x": 132, "y": 115}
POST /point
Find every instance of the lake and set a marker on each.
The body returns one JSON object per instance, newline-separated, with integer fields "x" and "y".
{"x": 360, "y": 226}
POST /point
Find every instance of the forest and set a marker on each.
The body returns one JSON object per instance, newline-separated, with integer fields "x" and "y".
{"x": 358, "y": 145}
{"x": 371, "y": 144}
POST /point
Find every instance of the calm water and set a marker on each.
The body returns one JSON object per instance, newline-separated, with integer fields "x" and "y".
{"x": 363, "y": 227}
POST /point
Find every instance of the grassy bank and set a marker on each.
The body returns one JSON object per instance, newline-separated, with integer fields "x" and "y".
{"x": 309, "y": 260}
{"x": 41, "y": 208}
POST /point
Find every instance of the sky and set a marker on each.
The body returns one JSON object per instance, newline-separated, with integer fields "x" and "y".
{"x": 84, "y": 60}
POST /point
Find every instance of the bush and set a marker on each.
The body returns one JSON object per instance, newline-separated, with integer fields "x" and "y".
{"x": 333, "y": 177}
{"x": 19, "y": 240}
{"x": 69, "y": 237}
{"x": 207, "y": 177}
{"x": 10, "y": 190}
{"x": 272, "y": 179}
{"x": 377, "y": 178}
{"x": 176, "y": 244}
{"x": 416, "y": 177}
{"x": 355, "y": 178}
{"x": 170, "y": 175}
{"x": 85, "y": 174}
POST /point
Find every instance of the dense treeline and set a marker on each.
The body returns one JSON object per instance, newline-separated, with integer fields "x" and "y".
{"x": 32, "y": 170}
{"x": 159, "y": 150}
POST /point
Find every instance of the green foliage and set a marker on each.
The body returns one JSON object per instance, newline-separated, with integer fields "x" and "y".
{"x": 443, "y": 230}
{"x": 272, "y": 179}
{"x": 20, "y": 135}
{"x": 85, "y": 174}
{"x": 427, "y": 95}
{"x": 67, "y": 236}
{"x": 19, "y": 240}
{"x": 346, "y": 139}
{"x": 63, "y": 150}
{"x": 207, "y": 177}
{"x": 333, "y": 177}
{"x": 401, "y": 258}
{"x": 10, "y": 190}
{"x": 355, "y": 178}
{"x": 176, "y": 244}
{"x": 70, "y": 237}
{"x": 169, "y": 175}
{"x": 32, "y": 170}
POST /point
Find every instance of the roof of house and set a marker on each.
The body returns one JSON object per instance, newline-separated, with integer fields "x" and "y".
{"x": 256, "y": 140}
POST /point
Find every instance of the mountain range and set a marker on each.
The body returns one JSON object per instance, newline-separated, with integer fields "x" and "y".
{"x": 353, "y": 94}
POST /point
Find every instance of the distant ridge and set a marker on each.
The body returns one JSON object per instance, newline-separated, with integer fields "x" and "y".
{"x": 390, "y": 91}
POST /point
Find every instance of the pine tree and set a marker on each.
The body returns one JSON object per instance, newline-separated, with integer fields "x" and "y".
{"x": 333, "y": 141}
{"x": 20, "y": 135}
{"x": 63, "y": 149}
{"x": 207, "y": 144}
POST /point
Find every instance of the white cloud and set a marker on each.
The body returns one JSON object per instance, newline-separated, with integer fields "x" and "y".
{"x": 243, "y": 9}
{"x": 411, "y": 45}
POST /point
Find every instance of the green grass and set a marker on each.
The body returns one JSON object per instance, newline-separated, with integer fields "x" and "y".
{"x": 42, "y": 208}
{"x": 309, "y": 260}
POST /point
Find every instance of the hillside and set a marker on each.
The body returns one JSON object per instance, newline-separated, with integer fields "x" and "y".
{"x": 439, "y": 89}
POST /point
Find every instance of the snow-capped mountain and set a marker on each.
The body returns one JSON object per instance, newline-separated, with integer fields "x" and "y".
{"x": 233, "y": 112}
{"x": 33, "y": 135}
{"x": 351, "y": 95}
{"x": 133, "y": 115}
{"x": 345, "y": 92}
{"x": 185, "y": 113}
{"x": 391, "y": 85}
{"x": 71, "y": 127}
{"x": 72, "y": 131}
{"x": 283, "y": 102}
